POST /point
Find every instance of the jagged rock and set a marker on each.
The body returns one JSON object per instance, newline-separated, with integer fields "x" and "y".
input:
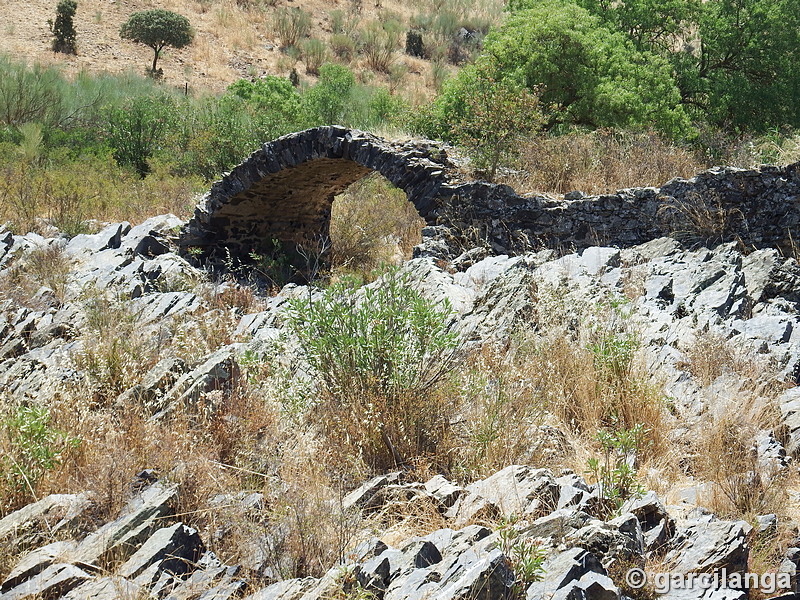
{"x": 564, "y": 570}
{"x": 147, "y": 238}
{"x": 377, "y": 573}
{"x": 558, "y": 524}
{"x": 53, "y": 582}
{"x": 592, "y": 586}
{"x": 60, "y": 510}
{"x": 619, "y": 539}
{"x": 452, "y": 543}
{"x": 445, "y": 492}
{"x": 710, "y": 546}
{"x": 105, "y": 588}
{"x": 219, "y": 371}
{"x": 155, "y": 383}
{"x": 290, "y": 589}
{"x": 175, "y": 549}
{"x": 123, "y": 535}
{"x": 34, "y": 563}
{"x": 657, "y": 525}
{"x": 519, "y": 490}
{"x": 107, "y": 238}
{"x": 360, "y": 496}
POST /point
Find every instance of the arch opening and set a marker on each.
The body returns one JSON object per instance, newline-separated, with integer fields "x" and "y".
{"x": 373, "y": 223}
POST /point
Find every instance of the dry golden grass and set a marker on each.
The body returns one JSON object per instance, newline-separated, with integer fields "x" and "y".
{"x": 601, "y": 162}
{"x": 234, "y": 39}
{"x": 372, "y": 224}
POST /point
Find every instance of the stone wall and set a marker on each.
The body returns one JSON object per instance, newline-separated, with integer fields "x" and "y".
{"x": 284, "y": 191}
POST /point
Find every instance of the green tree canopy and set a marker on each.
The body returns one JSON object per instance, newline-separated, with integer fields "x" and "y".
{"x": 158, "y": 29}
{"x": 63, "y": 28}
{"x": 733, "y": 60}
{"x": 587, "y": 74}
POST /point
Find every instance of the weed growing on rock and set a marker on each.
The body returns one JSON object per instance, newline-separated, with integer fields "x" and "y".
{"x": 615, "y": 472}
{"x": 381, "y": 354}
{"x": 31, "y": 448}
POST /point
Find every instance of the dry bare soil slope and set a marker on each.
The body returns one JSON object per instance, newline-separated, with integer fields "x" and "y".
{"x": 234, "y": 39}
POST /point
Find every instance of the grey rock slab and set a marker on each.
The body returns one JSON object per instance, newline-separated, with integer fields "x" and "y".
{"x": 155, "y": 382}
{"x": 595, "y": 586}
{"x": 124, "y": 534}
{"x": 175, "y": 548}
{"x": 453, "y": 543}
{"x": 105, "y": 588}
{"x": 364, "y": 493}
{"x": 136, "y": 239}
{"x": 563, "y": 569}
{"x": 444, "y": 491}
{"x": 34, "y": 563}
{"x": 108, "y": 237}
{"x": 608, "y": 542}
{"x": 44, "y": 509}
{"x": 519, "y": 490}
{"x": 710, "y": 546}
{"x": 557, "y": 525}
{"x": 218, "y": 371}
{"x": 53, "y": 582}
{"x": 470, "y": 508}
{"x": 596, "y": 259}
{"x": 289, "y": 589}
{"x": 477, "y": 578}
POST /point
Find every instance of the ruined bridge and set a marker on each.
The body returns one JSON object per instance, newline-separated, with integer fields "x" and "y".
{"x": 284, "y": 191}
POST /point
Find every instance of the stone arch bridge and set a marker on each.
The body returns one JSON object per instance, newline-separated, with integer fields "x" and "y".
{"x": 284, "y": 191}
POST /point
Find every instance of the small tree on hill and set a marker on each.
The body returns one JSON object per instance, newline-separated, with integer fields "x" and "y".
{"x": 63, "y": 28}
{"x": 495, "y": 115}
{"x": 158, "y": 28}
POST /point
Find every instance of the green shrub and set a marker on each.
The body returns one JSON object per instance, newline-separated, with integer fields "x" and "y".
{"x": 63, "y": 28}
{"x": 585, "y": 73}
{"x": 381, "y": 354}
{"x": 291, "y": 24}
{"x": 379, "y": 45}
{"x": 32, "y": 447}
{"x": 325, "y": 103}
{"x": 343, "y": 46}
{"x": 314, "y": 54}
{"x": 135, "y": 131}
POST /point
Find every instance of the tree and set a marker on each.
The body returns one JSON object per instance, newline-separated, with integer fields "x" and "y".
{"x": 733, "y": 60}
{"x": 496, "y": 114}
{"x": 587, "y": 73}
{"x": 158, "y": 29}
{"x": 64, "y": 34}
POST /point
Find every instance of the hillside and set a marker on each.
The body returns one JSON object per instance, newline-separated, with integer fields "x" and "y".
{"x": 484, "y": 422}
{"x": 234, "y": 39}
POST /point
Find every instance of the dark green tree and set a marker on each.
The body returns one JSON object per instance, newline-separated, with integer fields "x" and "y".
{"x": 63, "y": 28}
{"x": 158, "y": 29}
{"x": 584, "y": 73}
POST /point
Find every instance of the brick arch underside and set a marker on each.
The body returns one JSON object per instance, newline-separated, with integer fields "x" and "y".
{"x": 292, "y": 206}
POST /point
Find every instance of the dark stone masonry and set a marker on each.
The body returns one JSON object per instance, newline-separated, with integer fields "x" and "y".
{"x": 284, "y": 191}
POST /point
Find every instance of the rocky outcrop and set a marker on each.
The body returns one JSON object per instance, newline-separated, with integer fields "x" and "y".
{"x": 284, "y": 191}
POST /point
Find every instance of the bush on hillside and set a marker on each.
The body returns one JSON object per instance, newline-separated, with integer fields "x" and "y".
{"x": 63, "y": 28}
{"x": 381, "y": 354}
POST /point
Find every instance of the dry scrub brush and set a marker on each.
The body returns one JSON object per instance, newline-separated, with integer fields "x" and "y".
{"x": 601, "y": 161}
{"x": 372, "y": 223}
